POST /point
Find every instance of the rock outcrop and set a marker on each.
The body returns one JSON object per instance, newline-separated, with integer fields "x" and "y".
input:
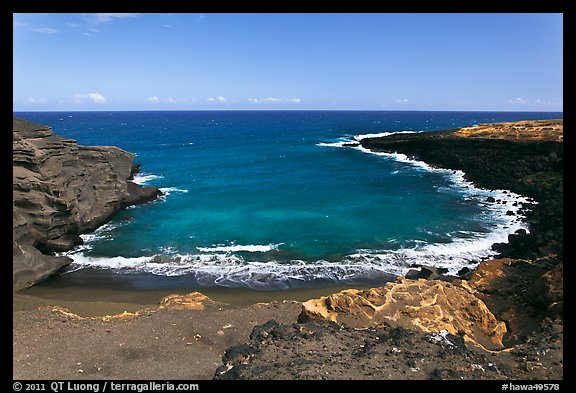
{"x": 190, "y": 301}
{"x": 61, "y": 190}
{"x": 521, "y": 293}
{"x": 525, "y": 130}
{"x": 427, "y": 305}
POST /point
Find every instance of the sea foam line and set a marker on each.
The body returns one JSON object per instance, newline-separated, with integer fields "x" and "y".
{"x": 227, "y": 269}
{"x": 169, "y": 190}
{"x": 220, "y": 267}
{"x": 145, "y": 178}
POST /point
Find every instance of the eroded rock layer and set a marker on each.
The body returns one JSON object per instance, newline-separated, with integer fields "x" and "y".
{"x": 427, "y": 305}
{"x": 61, "y": 190}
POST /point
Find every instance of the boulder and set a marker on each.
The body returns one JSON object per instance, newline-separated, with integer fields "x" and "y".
{"x": 428, "y": 272}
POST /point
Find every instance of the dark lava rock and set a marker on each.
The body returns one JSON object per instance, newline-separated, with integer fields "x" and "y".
{"x": 531, "y": 168}
{"x": 465, "y": 273}
{"x": 325, "y": 350}
{"x": 428, "y": 272}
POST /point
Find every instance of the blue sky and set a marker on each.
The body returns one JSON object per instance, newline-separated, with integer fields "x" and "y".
{"x": 509, "y": 62}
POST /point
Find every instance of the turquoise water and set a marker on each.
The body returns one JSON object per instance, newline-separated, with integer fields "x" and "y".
{"x": 273, "y": 200}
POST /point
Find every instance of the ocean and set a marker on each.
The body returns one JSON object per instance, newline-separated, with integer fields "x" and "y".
{"x": 274, "y": 200}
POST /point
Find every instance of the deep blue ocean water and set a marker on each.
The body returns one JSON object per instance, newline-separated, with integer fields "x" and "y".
{"x": 273, "y": 200}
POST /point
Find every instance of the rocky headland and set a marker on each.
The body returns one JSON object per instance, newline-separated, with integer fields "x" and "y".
{"x": 502, "y": 320}
{"x": 61, "y": 190}
{"x": 524, "y": 157}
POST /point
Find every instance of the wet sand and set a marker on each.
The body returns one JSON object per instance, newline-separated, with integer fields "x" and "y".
{"x": 106, "y": 301}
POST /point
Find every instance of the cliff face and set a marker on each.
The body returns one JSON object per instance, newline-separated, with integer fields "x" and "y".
{"x": 61, "y": 190}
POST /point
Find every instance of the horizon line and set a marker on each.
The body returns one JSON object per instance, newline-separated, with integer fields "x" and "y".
{"x": 286, "y": 110}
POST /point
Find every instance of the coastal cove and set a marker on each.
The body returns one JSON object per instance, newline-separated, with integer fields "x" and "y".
{"x": 281, "y": 210}
{"x": 498, "y": 319}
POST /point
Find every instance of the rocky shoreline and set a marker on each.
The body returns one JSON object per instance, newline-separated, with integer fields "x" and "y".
{"x": 503, "y": 320}
{"x": 523, "y": 157}
{"x": 61, "y": 190}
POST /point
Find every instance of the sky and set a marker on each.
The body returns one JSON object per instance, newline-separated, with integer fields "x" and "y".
{"x": 300, "y": 61}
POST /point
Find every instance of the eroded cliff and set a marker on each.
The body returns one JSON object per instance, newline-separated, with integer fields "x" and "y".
{"x": 61, "y": 190}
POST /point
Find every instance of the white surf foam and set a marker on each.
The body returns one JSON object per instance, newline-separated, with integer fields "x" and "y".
{"x": 145, "y": 178}
{"x": 240, "y": 248}
{"x": 353, "y": 140}
{"x": 381, "y": 134}
{"x": 102, "y": 232}
{"x": 169, "y": 190}
{"x": 218, "y": 266}
{"x": 333, "y": 144}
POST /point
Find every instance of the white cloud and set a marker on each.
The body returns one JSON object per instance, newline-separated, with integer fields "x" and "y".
{"x": 401, "y": 101}
{"x": 34, "y": 100}
{"x": 45, "y": 30}
{"x": 219, "y": 99}
{"x": 168, "y": 26}
{"x": 517, "y": 100}
{"x": 110, "y": 16}
{"x": 544, "y": 102}
{"x": 16, "y": 23}
{"x": 153, "y": 99}
{"x": 275, "y": 100}
{"x": 172, "y": 100}
{"x": 91, "y": 32}
{"x": 96, "y": 98}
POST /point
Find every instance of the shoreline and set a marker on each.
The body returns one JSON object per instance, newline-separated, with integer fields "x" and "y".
{"x": 500, "y": 152}
{"x": 122, "y": 287}
{"x": 522, "y": 296}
